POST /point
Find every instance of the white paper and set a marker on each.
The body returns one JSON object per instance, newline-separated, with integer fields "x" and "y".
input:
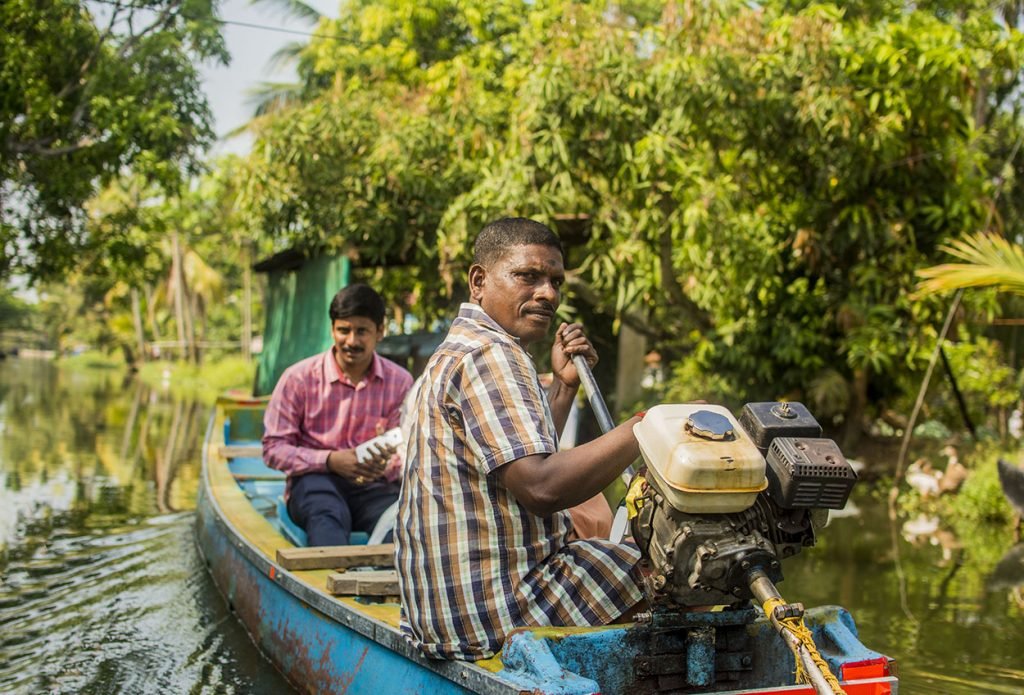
{"x": 392, "y": 438}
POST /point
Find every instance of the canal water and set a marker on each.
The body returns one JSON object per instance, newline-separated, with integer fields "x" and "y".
{"x": 102, "y": 589}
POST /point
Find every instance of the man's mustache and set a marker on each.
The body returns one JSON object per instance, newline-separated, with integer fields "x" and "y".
{"x": 543, "y": 307}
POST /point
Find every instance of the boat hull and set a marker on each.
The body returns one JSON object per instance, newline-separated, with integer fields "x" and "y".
{"x": 316, "y": 651}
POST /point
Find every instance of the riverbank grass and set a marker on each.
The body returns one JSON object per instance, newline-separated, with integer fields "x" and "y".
{"x": 92, "y": 359}
{"x": 980, "y": 501}
{"x": 205, "y": 381}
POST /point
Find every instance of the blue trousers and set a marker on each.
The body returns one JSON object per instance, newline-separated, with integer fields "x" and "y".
{"x": 329, "y": 508}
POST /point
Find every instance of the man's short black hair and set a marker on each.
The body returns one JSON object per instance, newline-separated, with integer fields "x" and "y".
{"x": 358, "y": 300}
{"x": 499, "y": 236}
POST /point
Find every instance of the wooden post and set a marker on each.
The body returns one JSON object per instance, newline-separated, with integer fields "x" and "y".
{"x": 176, "y": 278}
{"x": 959, "y": 396}
{"x": 140, "y": 336}
{"x": 247, "y": 301}
{"x": 922, "y": 391}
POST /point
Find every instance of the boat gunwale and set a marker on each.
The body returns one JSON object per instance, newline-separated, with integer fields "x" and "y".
{"x": 465, "y": 674}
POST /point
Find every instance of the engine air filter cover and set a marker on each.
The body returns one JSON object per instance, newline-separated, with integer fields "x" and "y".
{"x": 806, "y": 472}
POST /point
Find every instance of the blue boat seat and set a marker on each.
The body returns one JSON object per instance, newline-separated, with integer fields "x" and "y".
{"x": 297, "y": 536}
{"x": 251, "y": 466}
{"x": 292, "y": 531}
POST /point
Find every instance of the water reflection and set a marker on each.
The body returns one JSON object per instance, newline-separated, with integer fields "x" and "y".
{"x": 1009, "y": 574}
{"x": 920, "y": 594}
{"x": 101, "y": 588}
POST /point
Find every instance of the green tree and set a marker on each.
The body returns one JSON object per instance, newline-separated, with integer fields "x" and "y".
{"x": 86, "y": 92}
{"x": 397, "y": 117}
{"x": 181, "y": 259}
{"x": 753, "y": 187}
{"x": 772, "y": 180}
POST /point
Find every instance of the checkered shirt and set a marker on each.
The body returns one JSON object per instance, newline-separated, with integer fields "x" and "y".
{"x": 472, "y": 562}
{"x": 315, "y": 410}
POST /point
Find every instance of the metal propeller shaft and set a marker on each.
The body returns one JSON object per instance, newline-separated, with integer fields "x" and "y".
{"x": 764, "y": 590}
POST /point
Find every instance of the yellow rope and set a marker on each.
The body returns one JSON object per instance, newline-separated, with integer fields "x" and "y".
{"x": 796, "y": 626}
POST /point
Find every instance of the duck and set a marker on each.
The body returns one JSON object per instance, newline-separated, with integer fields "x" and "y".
{"x": 857, "y": 466}
{"x": 955, "y": 474}
{"x": 920, "y": 529}
{"x": 923, "y": 478}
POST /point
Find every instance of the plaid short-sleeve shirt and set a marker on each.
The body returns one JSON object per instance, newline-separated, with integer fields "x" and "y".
{"x": 472, "y": 562}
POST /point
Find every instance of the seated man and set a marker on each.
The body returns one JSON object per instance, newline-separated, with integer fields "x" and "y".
{"x": 483, "y": 536}
{"x": 325, "y": 406}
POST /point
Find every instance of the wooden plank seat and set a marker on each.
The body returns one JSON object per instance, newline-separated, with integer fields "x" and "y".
{"x": 363, "y": 583}
{"x": 337, "y": 557}
{"x": 236, "y": 451}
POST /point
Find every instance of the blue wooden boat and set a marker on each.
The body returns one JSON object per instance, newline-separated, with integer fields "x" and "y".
{"x": 324, "y": 643}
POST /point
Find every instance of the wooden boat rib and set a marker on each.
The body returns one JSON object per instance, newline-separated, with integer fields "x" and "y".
{"x": 327, "y": 643}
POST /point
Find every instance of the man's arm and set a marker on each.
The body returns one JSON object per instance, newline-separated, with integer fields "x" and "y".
{"x": 546, "y": 484}
{"x": 282, "y": 426}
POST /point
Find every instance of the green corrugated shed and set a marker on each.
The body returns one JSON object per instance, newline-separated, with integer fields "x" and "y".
{"x": 299, "y": 293}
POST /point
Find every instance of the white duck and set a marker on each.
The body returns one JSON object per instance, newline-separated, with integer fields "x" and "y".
{"x": 923, "y": 478}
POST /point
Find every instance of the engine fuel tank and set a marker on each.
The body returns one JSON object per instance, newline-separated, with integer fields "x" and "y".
{"x": 700, "y": 458}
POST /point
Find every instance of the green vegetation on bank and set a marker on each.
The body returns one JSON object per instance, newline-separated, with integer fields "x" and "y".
{"x": 202, "y": 382}
{"x": 979, "y": 503}
{"x": 92, "y": 359}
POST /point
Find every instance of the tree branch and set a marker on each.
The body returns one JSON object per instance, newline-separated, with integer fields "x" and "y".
{"x": 41, "y": 147}
{"x": 80, "y": 81}
{"x": 163, "y": 21}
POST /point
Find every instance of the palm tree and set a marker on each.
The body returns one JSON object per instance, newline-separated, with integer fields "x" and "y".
{"x": 989, "y": 260}
{"x": 270, "y": 97}
{"x": 194, "y": 286}
{"x": 292, "y": 8}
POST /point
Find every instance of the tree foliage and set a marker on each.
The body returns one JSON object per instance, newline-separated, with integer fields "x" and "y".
{"x": 752, "y": 186}
{"x": 87, "y": 92}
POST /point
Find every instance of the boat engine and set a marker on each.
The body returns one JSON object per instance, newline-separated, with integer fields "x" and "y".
{"x": 721, "y": 502}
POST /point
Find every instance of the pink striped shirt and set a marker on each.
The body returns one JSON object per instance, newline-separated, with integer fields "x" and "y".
{"x": 315, "y": 410}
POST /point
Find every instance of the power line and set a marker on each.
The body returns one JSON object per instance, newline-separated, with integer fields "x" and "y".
{"x": 277, "y": 29}
{"x": 218, "y": 20}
